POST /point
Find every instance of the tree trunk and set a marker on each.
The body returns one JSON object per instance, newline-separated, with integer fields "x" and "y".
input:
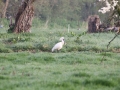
{"x": 5, "y": 9}
{"x": 23, "y": 21}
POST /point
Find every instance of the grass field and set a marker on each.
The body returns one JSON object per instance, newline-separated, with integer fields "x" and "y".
{"x": 84, "y": 63}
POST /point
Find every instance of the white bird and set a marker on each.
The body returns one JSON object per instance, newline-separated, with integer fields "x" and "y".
{"x": 1, "y": 26}
{"x": 59, "y": 45}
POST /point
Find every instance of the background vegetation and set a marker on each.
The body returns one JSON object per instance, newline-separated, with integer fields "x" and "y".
{"x": 84, "y": 63}
{"x": 59, "y": 12}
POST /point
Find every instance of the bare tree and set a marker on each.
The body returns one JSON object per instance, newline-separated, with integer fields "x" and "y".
{"x": 5, "y": 9}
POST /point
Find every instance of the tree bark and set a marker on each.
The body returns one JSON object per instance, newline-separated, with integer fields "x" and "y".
{"x": 24, "y": 17}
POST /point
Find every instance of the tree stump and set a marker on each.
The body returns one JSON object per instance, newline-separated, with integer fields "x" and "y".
{"x": 93, "y": 23}
{"x": 23, "y": 20}
{"x": 117, "y": 24}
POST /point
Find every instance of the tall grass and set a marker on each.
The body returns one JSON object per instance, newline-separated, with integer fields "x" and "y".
{"x": 57, "y": 23}
{"x": 43, "y": 39}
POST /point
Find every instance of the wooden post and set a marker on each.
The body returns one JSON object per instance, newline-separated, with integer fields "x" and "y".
{"x": 68, "y": 28}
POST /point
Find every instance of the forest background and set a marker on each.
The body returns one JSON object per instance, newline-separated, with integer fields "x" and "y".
{"x": 55, "y": 13}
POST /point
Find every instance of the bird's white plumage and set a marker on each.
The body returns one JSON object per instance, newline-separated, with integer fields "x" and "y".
{"x": 1, "y": 26}
{"x": 59, "y": 45}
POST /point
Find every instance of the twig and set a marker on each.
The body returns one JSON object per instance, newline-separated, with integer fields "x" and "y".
{"x": 113, "y": 38}
{"x": 103, "y": 58}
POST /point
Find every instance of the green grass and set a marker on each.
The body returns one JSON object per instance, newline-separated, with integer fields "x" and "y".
{"x": 51, "y": 71}
{"x": 26, "y": 61}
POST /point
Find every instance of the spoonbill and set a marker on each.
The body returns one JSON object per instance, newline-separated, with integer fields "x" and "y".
{"x": 59, "y": 45}
{"x": 1, "y": 26}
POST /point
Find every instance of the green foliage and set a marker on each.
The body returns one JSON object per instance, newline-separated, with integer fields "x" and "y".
{"x": 78, "y": 36}
{"x": 53, "y": 13}
{"x": 18, "y": 39}
{"x": 11, "y": 29}
{"x": 65, "y": 12}
{"x": 4, "y": 49}
{"x": 22, "y": 47}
